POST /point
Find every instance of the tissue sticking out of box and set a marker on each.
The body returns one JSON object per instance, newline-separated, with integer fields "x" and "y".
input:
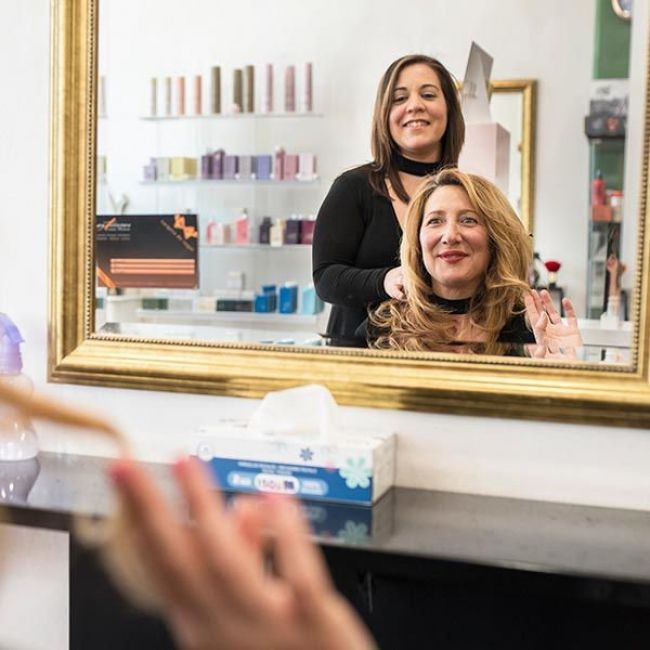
{"x": 295, "y": 444}
{"x": 306, "y": 411}
{"x": 487, "y": 144}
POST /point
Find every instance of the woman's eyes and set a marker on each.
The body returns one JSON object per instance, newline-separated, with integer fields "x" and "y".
{"x": 466, "y": 220}
{"x": 427, "y": 95}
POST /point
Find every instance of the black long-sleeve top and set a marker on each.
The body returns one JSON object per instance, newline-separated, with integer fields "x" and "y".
{"x": 356, "y": 242}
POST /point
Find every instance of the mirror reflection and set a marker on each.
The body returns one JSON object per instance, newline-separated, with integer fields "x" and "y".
{"x": 254, "y": 193}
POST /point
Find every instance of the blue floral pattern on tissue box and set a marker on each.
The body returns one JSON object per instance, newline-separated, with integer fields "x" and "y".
{"x": 356, "y": 473}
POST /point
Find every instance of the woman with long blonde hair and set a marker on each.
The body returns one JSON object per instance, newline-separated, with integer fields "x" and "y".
{"x": 465, "y": 257}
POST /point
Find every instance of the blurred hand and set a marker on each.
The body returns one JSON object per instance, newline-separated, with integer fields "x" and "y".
{"x": 394, "y": 283}
{"x": 554, "y": 338}
{"x": 212, "y": 575}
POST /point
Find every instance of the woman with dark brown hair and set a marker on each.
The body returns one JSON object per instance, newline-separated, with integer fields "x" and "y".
{"x": 417, "y": 129}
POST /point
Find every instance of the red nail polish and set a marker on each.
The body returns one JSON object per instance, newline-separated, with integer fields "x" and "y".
{"x": 118, "y": 471}
{"x": 181, "y": 465}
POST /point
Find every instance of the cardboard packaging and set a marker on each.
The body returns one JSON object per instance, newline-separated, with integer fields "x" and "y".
{"x": 349, "y": 469}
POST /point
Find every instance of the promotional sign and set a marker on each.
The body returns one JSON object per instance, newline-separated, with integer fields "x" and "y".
{"x": 147, "y": 250}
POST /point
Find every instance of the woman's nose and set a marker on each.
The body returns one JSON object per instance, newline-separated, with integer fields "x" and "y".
{"x": 451, "y": 232}
{"x": 414, "y": 102}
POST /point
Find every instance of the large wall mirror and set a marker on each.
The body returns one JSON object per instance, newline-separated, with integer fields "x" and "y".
{"x": 176, "y": 116}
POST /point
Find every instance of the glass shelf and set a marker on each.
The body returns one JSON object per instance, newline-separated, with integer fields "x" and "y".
{"x": 231, "y": 316}
{"x": 256, "y": 246}
{"x": 229, "y": 116}
{"x": 233, "y": 181}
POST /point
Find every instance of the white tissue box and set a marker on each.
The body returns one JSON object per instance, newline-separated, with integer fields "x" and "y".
{"x": 355, "y": 468}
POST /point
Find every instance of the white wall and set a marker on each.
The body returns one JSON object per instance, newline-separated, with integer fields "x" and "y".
{"x": 569, "y": 463}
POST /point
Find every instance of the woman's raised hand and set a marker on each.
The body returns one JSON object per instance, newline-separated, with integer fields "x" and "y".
{"x": 394, "y": 283}
{"x": 212, "y": 575}
{"x": 555, "y": 338}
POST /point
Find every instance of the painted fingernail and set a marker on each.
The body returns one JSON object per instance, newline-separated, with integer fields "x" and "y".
{"x": 181, "y": 465}
{"x": 118, "y": 471}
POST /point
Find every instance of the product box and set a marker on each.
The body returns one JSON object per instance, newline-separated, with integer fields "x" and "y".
{"x": 147, "y": 251}
{"x": 355, "y": 468}
{"x": 288, "y": 298}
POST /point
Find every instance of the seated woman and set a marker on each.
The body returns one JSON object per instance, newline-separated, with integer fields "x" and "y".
{"x": 465, "y": 256}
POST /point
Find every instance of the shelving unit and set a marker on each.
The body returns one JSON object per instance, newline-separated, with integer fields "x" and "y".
{"x": 606, "y": 155}
{"x": 233, "y": 181}
{"x": 230, "y": 116}
{"x": 221, "y": 200}
{"x": 256, "y": 247}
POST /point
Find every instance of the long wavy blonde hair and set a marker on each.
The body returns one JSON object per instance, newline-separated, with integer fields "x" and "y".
{"x": 419, "y": 324}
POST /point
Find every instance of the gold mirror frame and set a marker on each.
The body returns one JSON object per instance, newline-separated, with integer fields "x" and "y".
{"x": 486, "y": 386}
{"x": 527, "y": 88}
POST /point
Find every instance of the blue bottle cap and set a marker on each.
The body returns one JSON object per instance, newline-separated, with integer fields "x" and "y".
{"x": 11, "y": 362}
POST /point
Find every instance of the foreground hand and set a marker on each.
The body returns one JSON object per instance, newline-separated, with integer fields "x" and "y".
{"x": 394, "y": 283}
{"x": 212, "y": 575}
{"x": 554, "y": 338}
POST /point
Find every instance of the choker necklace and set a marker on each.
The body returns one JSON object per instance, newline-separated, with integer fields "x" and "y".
{"x": 460, "y": 306}
{"x": 416, "y": 168}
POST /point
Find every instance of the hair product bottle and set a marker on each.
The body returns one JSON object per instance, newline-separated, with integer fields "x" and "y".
{"x": 17, "y": 437}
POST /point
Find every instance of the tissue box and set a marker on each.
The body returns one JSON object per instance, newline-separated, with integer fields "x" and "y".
{"x": 351, "y": 469}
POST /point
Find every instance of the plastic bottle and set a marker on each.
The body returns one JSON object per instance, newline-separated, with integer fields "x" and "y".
{"x": 18, "y": 439}
{"x": 598, "y": 190}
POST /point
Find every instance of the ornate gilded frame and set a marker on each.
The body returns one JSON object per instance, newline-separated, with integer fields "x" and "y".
{"x": 487, "y": 386}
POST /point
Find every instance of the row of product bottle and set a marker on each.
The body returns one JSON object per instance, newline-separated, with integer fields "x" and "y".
{"x": 273, "y": 232}
{"x": 243, "y": 92}
{"x": 269, "y": 299}
{"x": 217, "y": 165}
{"x": 606, "y": 204}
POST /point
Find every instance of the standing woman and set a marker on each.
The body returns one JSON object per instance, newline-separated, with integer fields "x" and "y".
{"x": 417, "y": 129}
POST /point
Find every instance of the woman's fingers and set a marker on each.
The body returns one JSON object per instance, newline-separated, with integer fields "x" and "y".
{"x": 297, "y": 559}
{"x": 165, "y": 546}
{"x": 235, "y": 568}
{"x": 570, "y": 312}
{"x": 531, "y": 309}
{"x": 549, "y": 306}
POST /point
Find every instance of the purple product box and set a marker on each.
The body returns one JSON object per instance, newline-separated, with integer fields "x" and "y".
{"x": 230, "y": 166}
{"x": 263, "y": 167}
{"x": 292, "y": 232}
{"x": 217, "y": 164}
{"x": 150, "y": 172}
{"x": 290, "y": 171}
{"x": 206, "y": 166}
{"x": 307, "y": 231}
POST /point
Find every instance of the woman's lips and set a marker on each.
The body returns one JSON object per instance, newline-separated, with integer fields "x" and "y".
{"x": 453, "y": 258}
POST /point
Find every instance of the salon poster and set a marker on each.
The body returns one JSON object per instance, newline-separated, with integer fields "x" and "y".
{"x": 147, "y": 251}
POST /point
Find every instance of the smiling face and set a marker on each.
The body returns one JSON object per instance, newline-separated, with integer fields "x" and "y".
{"x": 454, "y": 242}
{"x": 418, "y": 117}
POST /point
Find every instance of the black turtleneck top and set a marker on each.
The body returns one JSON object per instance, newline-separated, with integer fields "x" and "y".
{"x": 356, "y": 242}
